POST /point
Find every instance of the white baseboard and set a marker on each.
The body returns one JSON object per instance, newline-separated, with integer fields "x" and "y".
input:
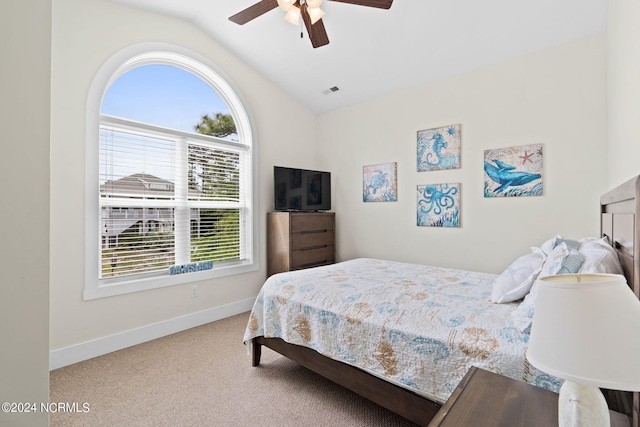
{"x": 90, "y": 349}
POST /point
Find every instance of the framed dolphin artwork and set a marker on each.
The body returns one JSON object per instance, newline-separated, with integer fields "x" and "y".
{"x": 513, "y": 171}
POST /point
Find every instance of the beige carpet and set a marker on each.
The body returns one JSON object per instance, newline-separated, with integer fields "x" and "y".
{"x": 203, "y": 377}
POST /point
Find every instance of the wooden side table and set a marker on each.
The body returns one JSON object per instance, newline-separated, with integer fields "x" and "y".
{"x": 486, "y": 399}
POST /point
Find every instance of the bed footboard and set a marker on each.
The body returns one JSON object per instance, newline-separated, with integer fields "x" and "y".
{"x": 402, "y": 401}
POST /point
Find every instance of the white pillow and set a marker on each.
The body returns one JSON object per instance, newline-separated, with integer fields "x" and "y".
{"x": 516, "y": 281}
{"x": 600, "y": 257}
{"x": 562, "y": 260}
{"x": 548, "y": 245}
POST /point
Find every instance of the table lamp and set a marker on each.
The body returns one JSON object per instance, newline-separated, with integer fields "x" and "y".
{"x": 586, "y": 330}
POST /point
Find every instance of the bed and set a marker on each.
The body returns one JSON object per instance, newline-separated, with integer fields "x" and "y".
{"x": 403, "y": 335}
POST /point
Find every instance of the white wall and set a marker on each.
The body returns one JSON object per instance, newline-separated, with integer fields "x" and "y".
{"x": 85, "y": 34}
{"x": 555, "y": 97}
{"x": 623, "y": 90}
{"x": 25, "y": 75}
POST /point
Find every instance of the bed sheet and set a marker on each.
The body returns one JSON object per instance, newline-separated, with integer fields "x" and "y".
{"x": 420, "y": 327}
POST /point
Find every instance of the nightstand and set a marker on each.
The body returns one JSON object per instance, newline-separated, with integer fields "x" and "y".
{"x": 486, "y": 399}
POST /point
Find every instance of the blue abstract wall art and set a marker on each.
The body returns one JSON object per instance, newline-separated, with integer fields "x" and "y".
{"x": 513, "y": 171}
{"x": 438, "y": 205}
{"x": 439, "y": 148}
{"x": 379, "y": 183}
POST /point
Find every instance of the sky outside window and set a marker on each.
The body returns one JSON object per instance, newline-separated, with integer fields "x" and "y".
{"x": 162, "y": 95}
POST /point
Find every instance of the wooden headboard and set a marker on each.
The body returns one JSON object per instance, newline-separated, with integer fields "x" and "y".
{"x": 620, "y": 224}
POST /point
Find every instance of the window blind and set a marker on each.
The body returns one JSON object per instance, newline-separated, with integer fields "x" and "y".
{"x": 168, "y": 197}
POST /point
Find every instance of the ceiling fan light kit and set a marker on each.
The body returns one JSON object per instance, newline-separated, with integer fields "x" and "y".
{"x": 308, "y": 9}
{"x": 285, "y": 4}
{"x": 292, "y": 16}
{"x": 293, "y": 9}
{"x": 315, "y": 14}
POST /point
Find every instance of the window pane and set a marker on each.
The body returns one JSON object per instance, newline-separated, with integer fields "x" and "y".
{"x": 136, "y": 240}
{"x": 215, "y": 235}
{"x": 162, "y": 95}
{"x": 134, "y": 165}
{"x": 214, "y": 174}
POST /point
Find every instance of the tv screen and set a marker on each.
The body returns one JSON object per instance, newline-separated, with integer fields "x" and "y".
{"x": 301, "y": 189}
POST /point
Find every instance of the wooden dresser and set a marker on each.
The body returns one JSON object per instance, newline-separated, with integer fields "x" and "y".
{"x": 297, "y": 240}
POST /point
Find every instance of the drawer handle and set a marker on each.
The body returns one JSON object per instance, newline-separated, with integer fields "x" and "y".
{"x": 311, "y": 264}
{"x": 313, "y": 247}
{"x": 313, "y": 231}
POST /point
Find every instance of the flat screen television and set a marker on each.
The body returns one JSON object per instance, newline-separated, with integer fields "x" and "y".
{"x": 301, "y": 189}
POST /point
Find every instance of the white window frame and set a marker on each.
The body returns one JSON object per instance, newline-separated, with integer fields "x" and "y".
{"x": 126, "y": 60}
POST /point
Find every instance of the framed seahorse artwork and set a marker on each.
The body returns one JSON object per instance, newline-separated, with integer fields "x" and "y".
{"x": 513, "y": 171}
{"x": 379, "y": 183}
{"x": 439, "y": 148}
{"x": 438, "y": 205}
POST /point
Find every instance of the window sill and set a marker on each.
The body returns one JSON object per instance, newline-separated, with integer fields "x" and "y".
{"x": 98, "y": 289}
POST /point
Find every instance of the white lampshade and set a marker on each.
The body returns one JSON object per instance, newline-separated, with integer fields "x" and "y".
{"x": 315, "y": 14}
{"x": 312, "y": 4}
{"x": 293, "y": 16}
{"x": 285, "y": 4}
{"x": 586, "y": 329}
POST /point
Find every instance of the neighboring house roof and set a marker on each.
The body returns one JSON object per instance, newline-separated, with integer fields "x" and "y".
{"x": 139, "y": 184}
{"x": 142, "y": 185}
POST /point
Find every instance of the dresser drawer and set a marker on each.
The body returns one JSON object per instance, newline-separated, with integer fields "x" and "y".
{"x": 311, "y": 222}
{"x": 311, "y": 257}
{"x": 310, "y": 240}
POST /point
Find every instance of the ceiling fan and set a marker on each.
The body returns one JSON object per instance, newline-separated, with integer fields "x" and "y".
{"x": 308, "y": 9}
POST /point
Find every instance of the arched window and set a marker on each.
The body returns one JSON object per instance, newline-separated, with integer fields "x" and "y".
{"x": 169, "y": 174}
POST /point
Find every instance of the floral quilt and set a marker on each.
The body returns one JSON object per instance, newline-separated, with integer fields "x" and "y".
{"x": 420, "y": 327}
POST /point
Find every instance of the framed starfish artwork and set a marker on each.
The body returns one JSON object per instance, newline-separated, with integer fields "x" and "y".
{"x": 439, "y": 148}
{"x": 379, "y": 183}
{"x": 438, "y": 205}
{"x": 513, "y": 171}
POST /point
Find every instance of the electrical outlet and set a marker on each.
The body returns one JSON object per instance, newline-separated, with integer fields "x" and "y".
{"x": 194, "y": 291}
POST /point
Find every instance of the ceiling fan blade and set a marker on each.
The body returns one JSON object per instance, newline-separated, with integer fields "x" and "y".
{"x": 252, "y": 12}
{"x": 317, "y": 32}
{"x": 381, "y": 4}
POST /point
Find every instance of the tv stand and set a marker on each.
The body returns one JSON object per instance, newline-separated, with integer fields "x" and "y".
{"x": 298, "y": 240}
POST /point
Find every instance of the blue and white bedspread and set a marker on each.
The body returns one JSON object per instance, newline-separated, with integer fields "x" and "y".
{"x": 417, "y": 326}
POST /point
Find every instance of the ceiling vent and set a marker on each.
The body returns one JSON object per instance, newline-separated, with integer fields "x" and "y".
{"x": 331, "y": 90}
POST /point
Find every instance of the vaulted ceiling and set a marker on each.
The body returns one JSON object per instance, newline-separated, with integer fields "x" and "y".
{"x": 374, "y": 52}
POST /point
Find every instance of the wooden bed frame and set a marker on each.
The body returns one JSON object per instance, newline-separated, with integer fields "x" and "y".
{"x": 619, "y": 223}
